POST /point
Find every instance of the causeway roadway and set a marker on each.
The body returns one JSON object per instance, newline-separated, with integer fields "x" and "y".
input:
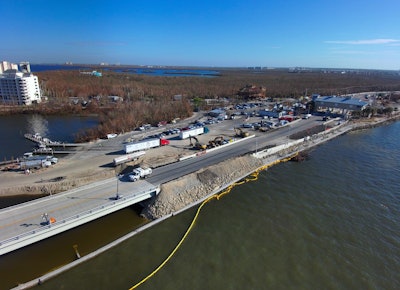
{"x": 33, "y": 221}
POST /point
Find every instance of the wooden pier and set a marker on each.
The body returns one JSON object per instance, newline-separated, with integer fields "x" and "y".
{"x": 40, "y": 151}
{"x": 45, "y": 141}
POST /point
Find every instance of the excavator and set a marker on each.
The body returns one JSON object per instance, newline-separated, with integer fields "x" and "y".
{"x": 218, "y": 141}
{"x": 197, "y": 144}
{"x": 241, "y": 133}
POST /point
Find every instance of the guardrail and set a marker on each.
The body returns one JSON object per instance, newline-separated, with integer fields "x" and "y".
{"x": 305, "y": 142}
{"x": 83, "y": 217}
{"x": 200, "y": 153}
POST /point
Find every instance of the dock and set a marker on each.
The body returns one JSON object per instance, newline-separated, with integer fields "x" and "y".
{"x": 39, "y": 140}
{"x": 48, "y": 147}
{"x": 39, "y": 151}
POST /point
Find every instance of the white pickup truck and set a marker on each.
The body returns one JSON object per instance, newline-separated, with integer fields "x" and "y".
{"x": 139, "y": 172}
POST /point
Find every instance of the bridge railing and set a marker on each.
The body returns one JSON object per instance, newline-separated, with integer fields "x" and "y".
{"x": 80, "y": 215}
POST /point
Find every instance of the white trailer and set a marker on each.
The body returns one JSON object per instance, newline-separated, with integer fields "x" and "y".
{"x": 144, "y": 144}
{"x": 192, "y": 132}
{"x": 128, "y": 157}
{"x": 34, "y": 163}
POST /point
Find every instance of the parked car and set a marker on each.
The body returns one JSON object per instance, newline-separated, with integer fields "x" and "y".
{"x": 248, "y": 125}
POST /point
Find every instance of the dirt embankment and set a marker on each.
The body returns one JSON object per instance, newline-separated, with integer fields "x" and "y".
{"x": 188, "y": 189}
{"x": 54, "y": 185}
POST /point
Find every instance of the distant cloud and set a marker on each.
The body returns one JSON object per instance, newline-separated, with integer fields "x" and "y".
{"x": 95, "y": 43}
{"x": 356, "y": 52}
{"x": 366, "y": 41}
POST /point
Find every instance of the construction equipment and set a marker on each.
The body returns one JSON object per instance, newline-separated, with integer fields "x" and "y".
{"x": 197, "y": 144}
{"x": 241, "y": 133}
{"x": 218, "y": 141}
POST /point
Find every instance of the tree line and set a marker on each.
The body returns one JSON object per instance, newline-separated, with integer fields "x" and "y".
{"x": 139, "y": 99}
{"x": 62, "y": 85}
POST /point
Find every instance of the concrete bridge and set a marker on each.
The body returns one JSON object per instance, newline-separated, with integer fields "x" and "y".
{"x": 30, "y": 222}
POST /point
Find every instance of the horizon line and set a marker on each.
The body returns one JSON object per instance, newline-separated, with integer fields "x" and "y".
{"x": 208, "y": 66}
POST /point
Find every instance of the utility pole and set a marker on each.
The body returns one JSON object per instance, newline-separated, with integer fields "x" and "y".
{"x": 117, "y": 196}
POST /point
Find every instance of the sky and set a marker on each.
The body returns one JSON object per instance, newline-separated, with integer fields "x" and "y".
{"x": 211, "y": 33}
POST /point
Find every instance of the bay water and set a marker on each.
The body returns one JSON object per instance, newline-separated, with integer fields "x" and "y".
{"x": 174, "y": 72}
{"x": 331, "y": 222}
{"x": 57, "y": 128}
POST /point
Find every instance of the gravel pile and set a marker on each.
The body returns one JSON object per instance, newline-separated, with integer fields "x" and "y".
{"x": 188, "y": 189}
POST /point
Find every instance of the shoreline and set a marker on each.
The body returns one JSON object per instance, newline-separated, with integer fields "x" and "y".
{"x": 267, "y": 162}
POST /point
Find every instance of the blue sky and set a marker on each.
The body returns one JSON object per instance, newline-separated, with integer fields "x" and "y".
{"x": 306, "y": 33}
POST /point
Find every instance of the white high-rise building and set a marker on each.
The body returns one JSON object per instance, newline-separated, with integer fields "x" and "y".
{"x": 18, "y": 88}
{"x": 5, "y": 65}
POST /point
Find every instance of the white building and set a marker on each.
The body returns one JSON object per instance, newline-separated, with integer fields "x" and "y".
{"x": 5, "y": 65}
{"x": 339, "y": 103}
{"x": 18, "y": 88}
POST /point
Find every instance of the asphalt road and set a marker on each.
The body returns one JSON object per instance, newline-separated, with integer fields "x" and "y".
{"x": 26, "y": 217}
{"x": 175, "y": 170}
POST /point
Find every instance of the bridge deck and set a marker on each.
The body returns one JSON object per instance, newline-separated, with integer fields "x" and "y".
{"x": 24, "y": 224}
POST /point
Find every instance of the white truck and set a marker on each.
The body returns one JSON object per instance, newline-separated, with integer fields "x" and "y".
{"x": 139, "y": 172}
{"x": 191, "y": 132}
{"x": 145, "y": 144}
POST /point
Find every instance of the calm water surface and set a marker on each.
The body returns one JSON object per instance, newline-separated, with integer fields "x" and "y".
{"x": 331, "y": 222}
{"x": 57, "y": 128}
{"x": 195, "y": 72}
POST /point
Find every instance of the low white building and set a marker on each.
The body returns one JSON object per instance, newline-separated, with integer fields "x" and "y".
{"x": 340, "y": 103}
{"x": 19, "y": 88}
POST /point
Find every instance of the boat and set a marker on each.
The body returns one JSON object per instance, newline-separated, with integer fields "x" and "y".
{"x": 110, "y": 136}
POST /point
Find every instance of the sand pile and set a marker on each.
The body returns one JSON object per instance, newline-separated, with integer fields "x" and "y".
{"x": 186, "y": 190}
